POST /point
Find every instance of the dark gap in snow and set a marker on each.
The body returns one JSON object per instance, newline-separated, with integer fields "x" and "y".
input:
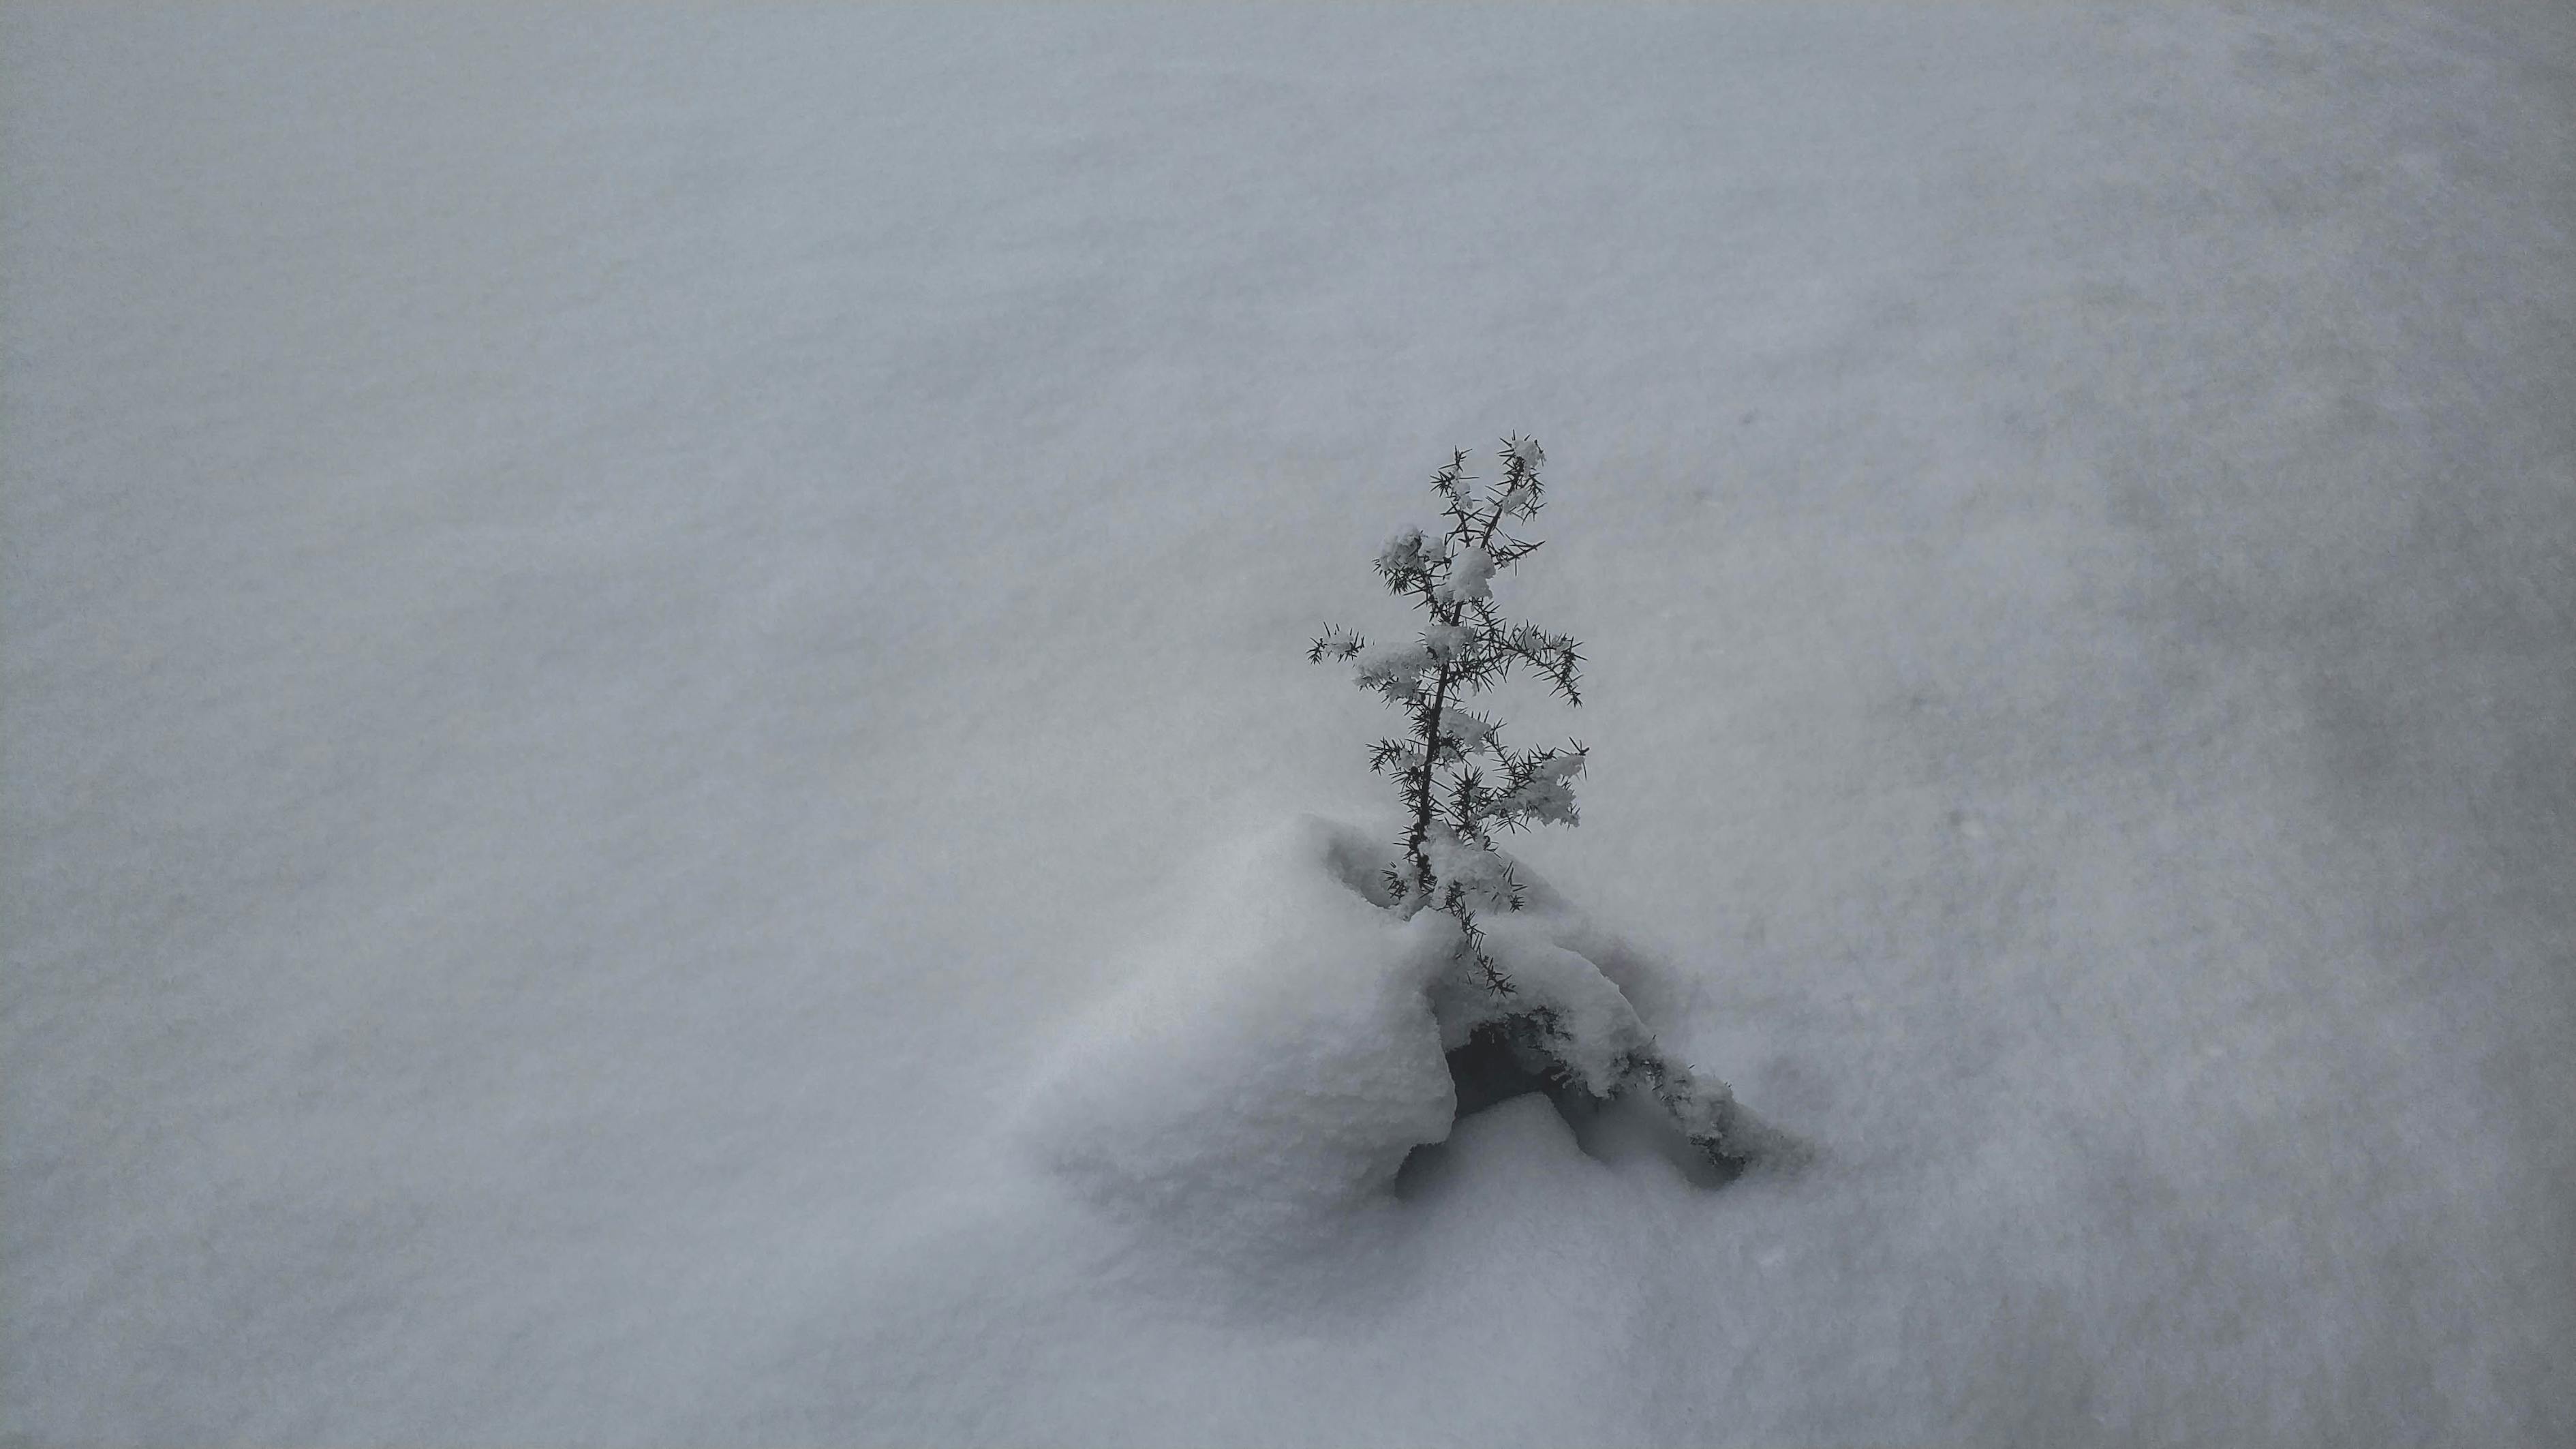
{"x": 1490, "y": 1069}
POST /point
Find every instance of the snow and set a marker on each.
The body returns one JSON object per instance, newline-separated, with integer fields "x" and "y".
{"x": 1273, "y": 1061}
{"x": 1397, "y": 671}
{"x": 624, "y": 635}
{"x": 1470, "y": 577}
{"x": 1469, "y": 731}
{"x": 1403, "y": 554}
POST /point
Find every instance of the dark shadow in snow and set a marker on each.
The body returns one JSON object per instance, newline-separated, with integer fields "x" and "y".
{"x": 1490, "y": 1070}
{"x": 1361, "y": 865}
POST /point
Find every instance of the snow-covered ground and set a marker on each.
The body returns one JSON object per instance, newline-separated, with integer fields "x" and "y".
{"x": 620, "y": 624}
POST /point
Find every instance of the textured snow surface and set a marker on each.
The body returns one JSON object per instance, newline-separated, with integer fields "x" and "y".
{"x": 618, "y": 627}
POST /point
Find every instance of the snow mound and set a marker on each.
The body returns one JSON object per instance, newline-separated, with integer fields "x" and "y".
{"x": 1277, "y": 1052}
{"x": 1271, "y": 1061}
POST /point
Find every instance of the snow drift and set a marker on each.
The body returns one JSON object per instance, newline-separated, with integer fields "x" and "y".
{"x": 602, "y": 617}
{"x": 1272, "y": 1060}
{"x": 1278, "y": 1052}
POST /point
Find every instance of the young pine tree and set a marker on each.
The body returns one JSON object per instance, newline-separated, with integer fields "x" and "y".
{"x": 1461, "y": 784}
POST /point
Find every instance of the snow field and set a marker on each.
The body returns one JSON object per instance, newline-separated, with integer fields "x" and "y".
{"x": 618, "y": 633}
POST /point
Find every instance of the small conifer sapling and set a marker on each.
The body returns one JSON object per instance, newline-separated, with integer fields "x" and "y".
{"x": 1462, "y": 786}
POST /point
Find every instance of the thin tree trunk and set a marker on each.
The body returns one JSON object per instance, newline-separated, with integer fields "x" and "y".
{"x": 1422, "y": 783}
